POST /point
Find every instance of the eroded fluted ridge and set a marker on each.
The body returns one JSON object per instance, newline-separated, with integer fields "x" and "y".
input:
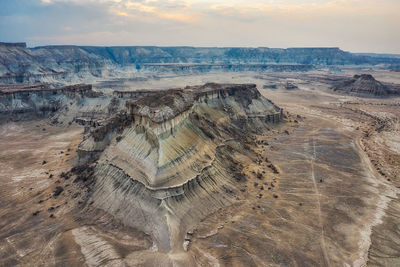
{"x": 173, "y": 157}
{"x": 157, "y": 117}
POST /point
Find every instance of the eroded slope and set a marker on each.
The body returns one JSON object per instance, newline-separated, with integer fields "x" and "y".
{"x": 179, "y": 160}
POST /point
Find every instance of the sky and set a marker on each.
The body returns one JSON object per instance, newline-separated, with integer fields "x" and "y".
{"x": 352, "y": 25}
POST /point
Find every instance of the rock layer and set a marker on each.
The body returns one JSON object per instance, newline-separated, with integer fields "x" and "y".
{"x": 38, "y": 100}
{"x": 365, "y": 85}
{"x": 68, "y": 64}
{"x": 175, "y": 157}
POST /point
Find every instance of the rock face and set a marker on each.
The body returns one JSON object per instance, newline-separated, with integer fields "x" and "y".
{"x": 364, "y": 85}
{"x": 174, "y": 157}
{"x": 71, "y": 64}
{"x": 21, "y": 45}
{"x": 38, "y": 100}
{"x": 22, "y": 65}
{"x": 188, "y": 68}
{"x": 226, "y": 55}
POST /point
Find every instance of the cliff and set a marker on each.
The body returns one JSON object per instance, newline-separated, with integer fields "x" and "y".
{"x": 170, "y": 156}
{"x": 20, "y": 45}
{"x": 21, "y": 101}
{"x": 58, "y": 64}
{"x": 227, "y": 55}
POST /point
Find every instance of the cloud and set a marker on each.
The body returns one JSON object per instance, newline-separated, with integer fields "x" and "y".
{"x": 80, "y": 2}
{"x": 147, "y": 10}
{"x": 140, "y": 7}
{"x": 121, "y": 13}
{"x": 356, "y": 25}
{"x": 177, "y": 17}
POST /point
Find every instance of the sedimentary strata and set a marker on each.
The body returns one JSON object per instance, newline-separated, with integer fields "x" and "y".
{"x": 67, "y": 63}
{"x": 38, "y": 100}
{"x": 174, "y": 156}
{"x": 366, "y": 85}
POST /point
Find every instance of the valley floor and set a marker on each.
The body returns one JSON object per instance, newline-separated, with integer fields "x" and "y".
{"x": 322, "y": 192}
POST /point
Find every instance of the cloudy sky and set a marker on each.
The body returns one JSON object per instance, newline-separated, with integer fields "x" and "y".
{"x": 353, "y": 25}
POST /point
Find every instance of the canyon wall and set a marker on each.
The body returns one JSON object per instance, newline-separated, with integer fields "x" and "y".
{"x": 72, "y": 64}
{"x": 29, "y": 101}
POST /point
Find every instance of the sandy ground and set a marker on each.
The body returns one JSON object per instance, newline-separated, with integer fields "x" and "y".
{"x": 360, "y": 120}
{"x": 335, "y": 198}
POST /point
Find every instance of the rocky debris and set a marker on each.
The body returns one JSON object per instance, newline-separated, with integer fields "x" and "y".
{"x": 64, "y": 175}
{"x": 58, "y": 191}
{"x": 273, "y": 168}
{"x": 364, "y": 85}
{"x": 84, "y": 173}
{"x": 290, "y": 86}
{"x": 187, "y": 240}
{"x": 116, "y": 122}
{"x": 270, "y": 86}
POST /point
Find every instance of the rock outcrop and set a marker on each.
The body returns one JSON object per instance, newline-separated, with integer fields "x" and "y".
{"x": 38, "y": 100}
{"x": 365, "y": 85}
{"x": 175, "y": 156}
{"x": 20, "y": 45}
{"x": 290, "y": 86}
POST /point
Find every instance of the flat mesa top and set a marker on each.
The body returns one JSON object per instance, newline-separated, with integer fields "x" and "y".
{"x": 17, "y": 88}
{"x": 199, "y": 88}
{"x": 219, "y": 86}
{"x": 166, "y": 104}
{"x": 196, "y": 90}
{"x": 13, "y": 88}
{"x": 148, "y": 90}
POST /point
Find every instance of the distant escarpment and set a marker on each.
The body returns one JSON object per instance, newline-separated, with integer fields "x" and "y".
{"x": 365, "y": 85}
{"x": 69, "y": 64}
{"x": 171, "y": 158}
